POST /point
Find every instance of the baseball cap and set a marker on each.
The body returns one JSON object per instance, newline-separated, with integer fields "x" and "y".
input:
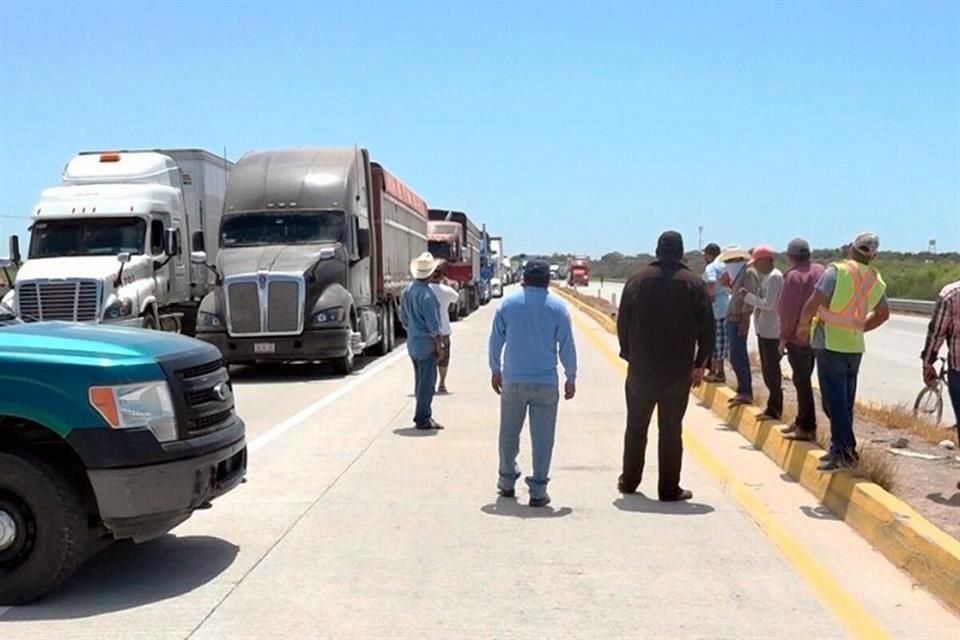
{"x": 798, "y": 247}
{"x": 866, "y": 244}
{"x": 762, "y": 251}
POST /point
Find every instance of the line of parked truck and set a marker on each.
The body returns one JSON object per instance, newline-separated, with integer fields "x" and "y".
{"x": 109, "y": 433}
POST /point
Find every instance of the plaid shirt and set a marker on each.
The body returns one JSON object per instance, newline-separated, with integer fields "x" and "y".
{"x": 945, "y": 327}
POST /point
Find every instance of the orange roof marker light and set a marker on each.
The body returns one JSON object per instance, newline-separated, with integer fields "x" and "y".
{"x": 110, "y": 157}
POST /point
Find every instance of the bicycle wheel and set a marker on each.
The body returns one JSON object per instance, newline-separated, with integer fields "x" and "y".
{"x": 929, "y": 404}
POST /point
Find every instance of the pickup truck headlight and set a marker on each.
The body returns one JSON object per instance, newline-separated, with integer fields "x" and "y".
{"x": 121, "y": 308}
{"x": 132, "y": 406}
{"x": 209, "y": 320}
{"x": 327, "y": 317}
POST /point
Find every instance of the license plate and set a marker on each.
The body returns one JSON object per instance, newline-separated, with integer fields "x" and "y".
{"x": 264, "y": 347}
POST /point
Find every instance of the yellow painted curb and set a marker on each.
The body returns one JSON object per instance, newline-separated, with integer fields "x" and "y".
{"x": 901, "y": 534}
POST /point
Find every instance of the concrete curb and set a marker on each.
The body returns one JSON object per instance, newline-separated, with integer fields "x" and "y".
{"x": 901, "y": 534}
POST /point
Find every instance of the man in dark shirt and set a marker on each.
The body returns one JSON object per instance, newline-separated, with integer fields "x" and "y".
{"x": 666, "y": 330}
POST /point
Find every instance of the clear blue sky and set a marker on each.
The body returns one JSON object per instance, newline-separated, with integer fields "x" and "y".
{"x": 575, "y": 126}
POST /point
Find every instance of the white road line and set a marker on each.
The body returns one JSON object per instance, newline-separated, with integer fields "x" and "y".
{"x": 278, "y": 430}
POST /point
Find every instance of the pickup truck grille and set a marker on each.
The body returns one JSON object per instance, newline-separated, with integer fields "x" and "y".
{"x": 265, "y": 304}
{"x": 208, "y": 396}
{"x": 71, "y": 300}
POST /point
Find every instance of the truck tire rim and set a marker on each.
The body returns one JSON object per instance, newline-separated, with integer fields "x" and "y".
{"x": 18, "y": 531}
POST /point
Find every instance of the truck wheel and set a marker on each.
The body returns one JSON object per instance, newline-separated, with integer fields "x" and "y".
{"x": 382, "y": 348}
{"x": 150, "y": 322}
{"x": 43, "y": 528}
{"x": 344, "y": 365}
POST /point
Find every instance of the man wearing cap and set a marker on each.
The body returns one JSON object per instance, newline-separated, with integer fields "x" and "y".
{"x": 420, "y": 314}
{"x": 719, "y": 298}
{"x": 798, "y": 285}
{"x": 531, "y": 327}
{"x": 766, "y": 320}
{"x": 742, "y": 280}
{"x": 849, "y": 300}
{"x": 447, "y": 296}
{"x": 666, "y": 331}
{"x": 945, "y": 328}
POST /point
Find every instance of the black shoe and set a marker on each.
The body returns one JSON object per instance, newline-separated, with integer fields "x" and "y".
{"x": 825, "y": 457}
{"x": 769, "y": 415}
{"x": 506, "y": 493}
{"x": 803, "y": 435}
{"x": 540, "y": 502}
{"x": 433, "y": 424}
{"x": 791, "y": 428}
{"x": 681, "y": 494}
{"x": 626, "y": 489}
{"x": 838, "y": 463}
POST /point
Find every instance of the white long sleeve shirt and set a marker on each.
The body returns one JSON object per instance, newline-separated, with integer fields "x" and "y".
{"x": 766, "y": 314}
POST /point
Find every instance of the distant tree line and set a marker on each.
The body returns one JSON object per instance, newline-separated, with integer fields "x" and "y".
{"x": 916, "y": 276}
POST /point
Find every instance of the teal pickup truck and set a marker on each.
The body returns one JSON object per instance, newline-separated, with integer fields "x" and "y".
{"x": 105, "y": 433}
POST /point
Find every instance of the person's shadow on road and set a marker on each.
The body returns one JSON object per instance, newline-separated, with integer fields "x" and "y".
{"x": 639, "y": 503}
{"x": 939, "y": 498}
{"x": 512, "y": 508}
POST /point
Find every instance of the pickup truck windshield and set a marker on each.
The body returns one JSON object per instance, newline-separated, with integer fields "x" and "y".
{"x": 274, "y": 227}
{"x": 87, "y": 237}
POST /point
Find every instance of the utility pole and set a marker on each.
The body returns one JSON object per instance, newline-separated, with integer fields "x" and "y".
{"x": 700, "y": 238}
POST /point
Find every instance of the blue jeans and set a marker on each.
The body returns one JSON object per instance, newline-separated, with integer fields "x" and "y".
{"x": 838, "y": 385}
{"x": 953, "y": 385}
{"x": 424, "y": 356}
{"x": 515, "y": 400}
{"x": 739, "y": 359}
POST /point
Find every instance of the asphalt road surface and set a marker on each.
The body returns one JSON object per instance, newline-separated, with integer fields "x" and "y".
{"x": 891, "y": 371}
{"x": 354, "y": 526}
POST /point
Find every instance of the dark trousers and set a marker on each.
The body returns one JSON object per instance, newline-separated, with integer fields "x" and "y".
{"x": 953, "y": 386}
{"x": 772, "y": 375}
{"x": 801, "y": 361}
{"x": 838, "y": 382}
{"x": 670, "y": 400}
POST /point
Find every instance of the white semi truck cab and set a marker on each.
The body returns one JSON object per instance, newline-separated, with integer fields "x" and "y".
{"x": 113, "y": 243}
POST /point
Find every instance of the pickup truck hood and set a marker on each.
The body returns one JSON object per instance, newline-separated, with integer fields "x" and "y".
{"x": 273, "y": 258}
{"x": 66, "y": 342}
{"x": 87, "y": 267}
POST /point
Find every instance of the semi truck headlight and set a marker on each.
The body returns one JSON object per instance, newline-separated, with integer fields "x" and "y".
{"x": 132, "y": 406}
{"x": 121, "y": 308}
{"x": 328, "y": 316}
{"x": 209, "y": 320}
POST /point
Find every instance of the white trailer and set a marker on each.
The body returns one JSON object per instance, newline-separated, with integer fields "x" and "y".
{"x": 113, "y": 242}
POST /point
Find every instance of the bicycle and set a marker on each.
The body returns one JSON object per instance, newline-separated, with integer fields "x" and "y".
{"x": 929, "y": 402}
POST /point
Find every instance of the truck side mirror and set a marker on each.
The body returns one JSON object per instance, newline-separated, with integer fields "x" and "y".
{"x": 198, "y": 257}
{"x": 123, "y": 257}
{"x": 171, "y": 242}
{"x": 5, "y": 263}
{"x": 197, "y": 242}
{"x": 15, "y": 250}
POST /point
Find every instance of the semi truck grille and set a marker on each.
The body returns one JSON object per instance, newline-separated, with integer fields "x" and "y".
{"x": 71, "y": 300}
{"x": 208, "y": 398}
{"x": 265, "y": 304}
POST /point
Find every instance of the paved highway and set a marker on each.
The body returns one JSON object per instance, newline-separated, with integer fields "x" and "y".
{"x": 890, "y": 373}
{"x": 354, "y": 526}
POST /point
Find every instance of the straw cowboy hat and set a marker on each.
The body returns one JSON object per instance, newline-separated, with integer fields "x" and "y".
{"x": 734, "y": 252}
{"x": 423, "y": 266}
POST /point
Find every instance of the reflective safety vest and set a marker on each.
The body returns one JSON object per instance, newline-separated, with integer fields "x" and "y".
{"x": 858, "y": 292}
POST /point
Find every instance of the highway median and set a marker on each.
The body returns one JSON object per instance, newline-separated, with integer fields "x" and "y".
{"x": 907, "y": 539}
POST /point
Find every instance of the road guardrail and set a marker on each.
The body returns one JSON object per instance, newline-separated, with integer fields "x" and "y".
{"x": 920, "y": 307}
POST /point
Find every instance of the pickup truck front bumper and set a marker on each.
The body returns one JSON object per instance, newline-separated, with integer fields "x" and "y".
{"x": 319, "y": 344}
{"x": 147, "y": 501}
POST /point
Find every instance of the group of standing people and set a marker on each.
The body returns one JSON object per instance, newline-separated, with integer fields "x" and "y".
{"x": 816, "y": 316}
{"x": 676, "y": 329}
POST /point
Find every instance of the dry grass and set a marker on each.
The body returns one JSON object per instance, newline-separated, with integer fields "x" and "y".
{"x": 900, "y": 418}
{"x": 599, "y": 304}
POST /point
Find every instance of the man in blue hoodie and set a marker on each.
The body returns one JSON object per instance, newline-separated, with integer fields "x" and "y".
{"x": 529, "y": 330}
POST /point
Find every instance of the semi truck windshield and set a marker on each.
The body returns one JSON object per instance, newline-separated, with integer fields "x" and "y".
{"x": 253, "y": 229}
{"x": 87, "y": 237}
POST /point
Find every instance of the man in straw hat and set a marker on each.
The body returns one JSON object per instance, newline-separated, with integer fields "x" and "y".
{"x": 849, "y": 300}
{"x": 420, "y": 313}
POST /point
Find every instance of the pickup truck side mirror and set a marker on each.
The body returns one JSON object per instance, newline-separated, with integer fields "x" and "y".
{"x": 171, "y": 242}
{"x": 15, "y": 250}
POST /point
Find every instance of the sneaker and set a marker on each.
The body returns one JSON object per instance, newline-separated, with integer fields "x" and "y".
{"x": 506, "y": 493}
{"x": 540, "y": 502}
{"x": 428, "y": 426}
{"x": 839, "y": 463}
{"x": 802, "y": 435}
{"x": 825, "y": 457}
{"x": 768, "y": 415}
{"x": 738, "y": 400}
{"x": 681, "y": 494}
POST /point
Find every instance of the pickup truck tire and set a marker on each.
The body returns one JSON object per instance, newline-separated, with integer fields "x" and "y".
{"x": 52, "y": 531}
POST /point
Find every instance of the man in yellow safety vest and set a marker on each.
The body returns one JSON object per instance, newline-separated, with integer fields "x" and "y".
{"x": 849, "y": 300}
